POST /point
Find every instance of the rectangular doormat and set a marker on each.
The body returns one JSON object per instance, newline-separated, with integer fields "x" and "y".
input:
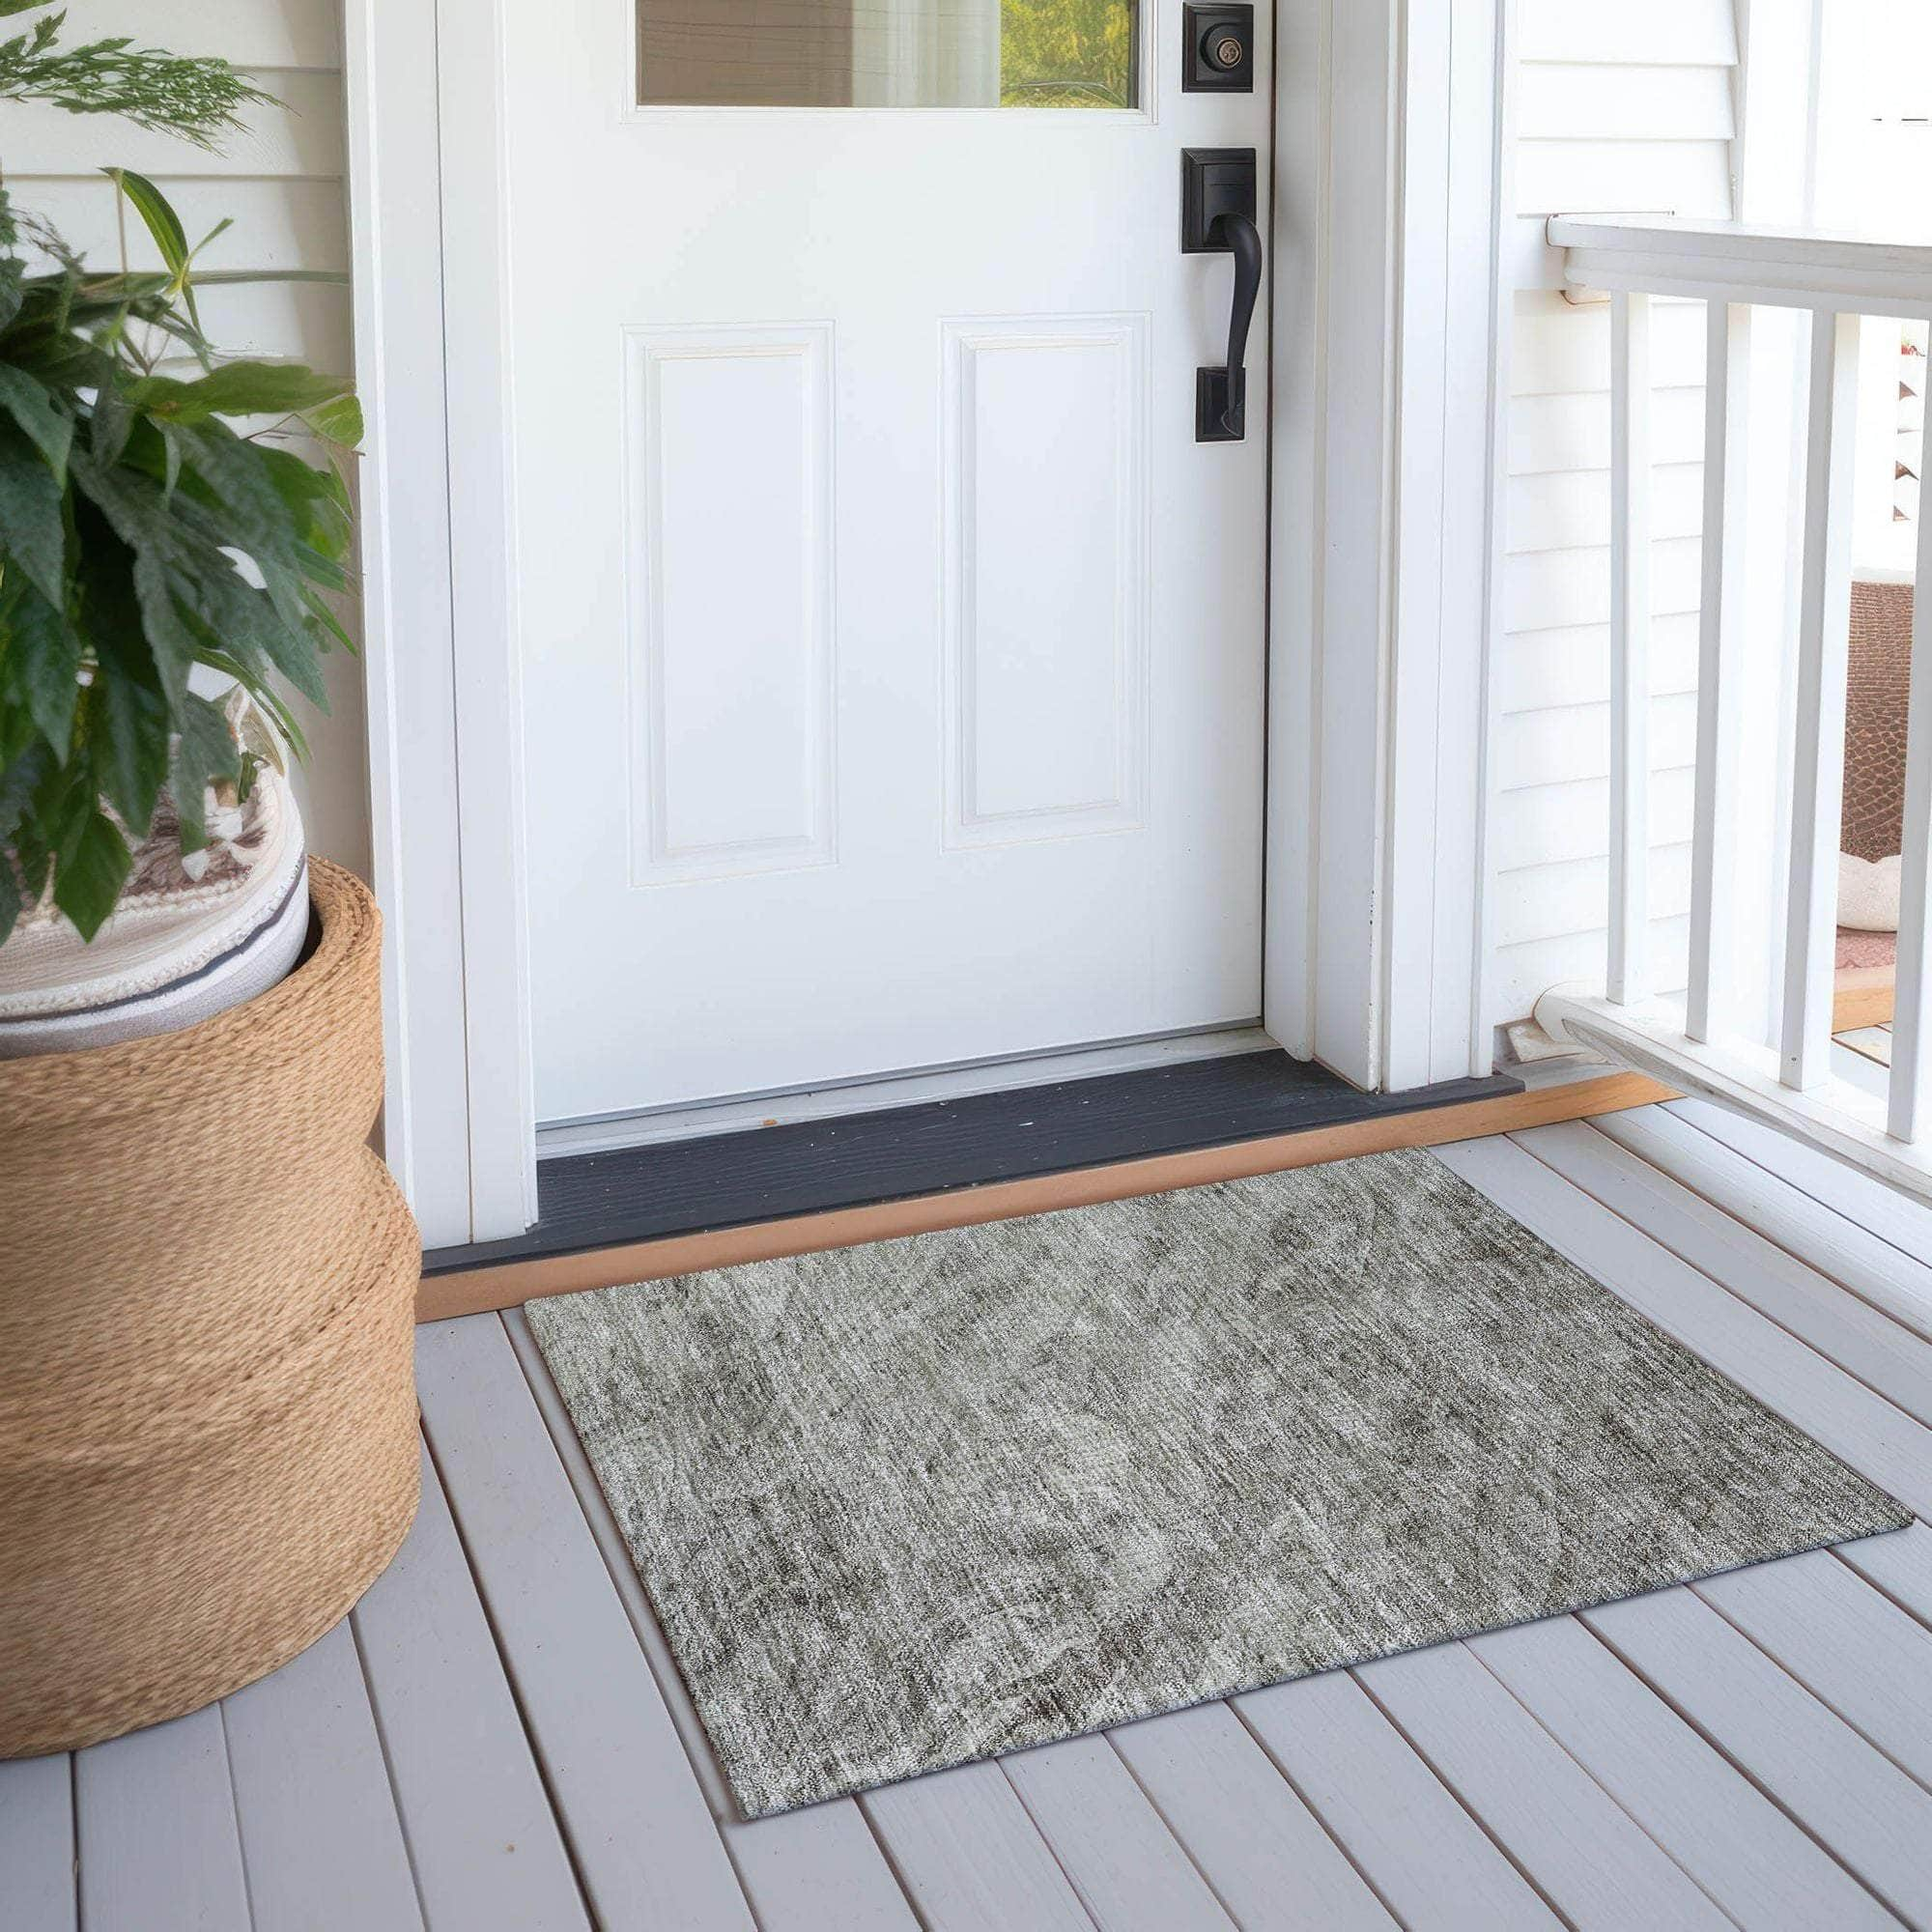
{"x": 906, "y": 1505}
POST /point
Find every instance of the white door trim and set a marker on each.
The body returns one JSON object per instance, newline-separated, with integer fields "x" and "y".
{"x": 1453, "y": 387}
{"x": 1376, "y": 324}
{"x": 1390, "y": 342}
{"x": 446, "y": 703}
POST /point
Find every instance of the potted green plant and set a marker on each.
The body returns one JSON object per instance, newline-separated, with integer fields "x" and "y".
{"x": 206, "y": 1419}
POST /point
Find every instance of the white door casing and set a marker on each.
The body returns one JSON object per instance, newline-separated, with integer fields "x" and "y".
{"x": 893, "y": 654}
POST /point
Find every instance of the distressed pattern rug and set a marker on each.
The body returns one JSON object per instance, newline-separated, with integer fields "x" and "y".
{"x": 905, "y": 1505}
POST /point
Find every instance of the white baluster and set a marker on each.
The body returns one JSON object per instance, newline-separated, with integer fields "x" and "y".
{"x": 1910, "y": 1104}
{"x": 1627, "y": 968}
{"x": 1714, "y": 831}
{"x": 1824, "y": 623}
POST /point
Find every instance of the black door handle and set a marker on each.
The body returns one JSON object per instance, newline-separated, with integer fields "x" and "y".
{"x": 1217, "y": 218}
{"x": 1244, "y": 244}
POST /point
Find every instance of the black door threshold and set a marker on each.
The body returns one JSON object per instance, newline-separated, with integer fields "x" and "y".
{"x": 766, "y": 1174}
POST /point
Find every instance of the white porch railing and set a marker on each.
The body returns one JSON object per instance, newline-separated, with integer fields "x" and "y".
{"x": 1695, "y": 1046}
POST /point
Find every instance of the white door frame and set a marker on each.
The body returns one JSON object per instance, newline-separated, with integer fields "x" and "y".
{"x": 1384, "y": 264}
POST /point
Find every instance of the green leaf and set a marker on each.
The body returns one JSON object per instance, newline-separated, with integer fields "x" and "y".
{"x": 127, "y": 714}
{"x": 205, "y": 753}
{"x": 339, "y": 420}
{"x": 17, "y": 734}
{"x": 68, "y": 362}
{"x": 22, "y": 869}
{"x": 18, "y": 782}
{"x": 90, "y": 871}
{"x": 129, "y": 499}
{"x": 237, "y": 478}
{"x": 13, "y": 289}
{"x": 237, "y": 389}
{"x": 214, "y": 234}
{"x": 332, "y": 625}
{"x": 157, "y": 216}
{"x": 169, "y": 638}
{"x": 33, "y": 407}
{"x": 113, "y": 423}
{"x": 171, "y": 461}
{"x": 8, "y": 7}
{"x": 32, "y": 529}
{"x": 316, "y": 499}
{"x": 127, "y": 730}
{"x": 35, "y": 859}
{"x": 254, "y": 518}
{"x": 40, "y": 656}
{"x": 246, "y": 624}
{"x": 136, "y": 510}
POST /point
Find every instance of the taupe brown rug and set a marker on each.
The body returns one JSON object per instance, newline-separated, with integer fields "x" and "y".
{"x": 905, "y": 1505}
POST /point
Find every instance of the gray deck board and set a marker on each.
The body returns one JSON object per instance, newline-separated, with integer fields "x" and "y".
{"x": 1760, "y": 1865}
{"x": 970, "y": 1856}
{"x": 1585, "y": 1854}
{"x": 154, "y": 1820}
{"x": 1130, "y": 1871}
{"x": 1860, "y": 1198}
{"x": 483, "y": 1841}
{"x": 1432, "y": 1863}
{"x": 1814, "y": 1233}
{"x": 646, "y": 1846}
{"x": 321, "y": 1841}
{"x": 37, "y": 1844}
{"x": 1858, "y": 1803}
{"x": 1882, "y": 1353}
{"x": 818, "y": 1870}
{"x": 1846, "y": 1642}
{"x": 502, "y": 1734}
{"x": 1901, "y": 1566}
{"x": 617, "y": 1564}
{"x": 1262, "y": 1848}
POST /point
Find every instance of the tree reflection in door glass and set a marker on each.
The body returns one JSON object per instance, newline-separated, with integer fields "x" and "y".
{"x": 1066, "y": 53}
{"x": 886, "y": 53}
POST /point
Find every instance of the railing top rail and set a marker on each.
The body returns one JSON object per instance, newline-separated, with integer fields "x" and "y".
{"x": 1741, "y": 261}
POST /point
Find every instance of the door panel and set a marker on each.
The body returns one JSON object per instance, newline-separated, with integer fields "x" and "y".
{"x": 729, "y": 758}
{"x": 1045, "y": 456}
{"x": 892, "y": 653}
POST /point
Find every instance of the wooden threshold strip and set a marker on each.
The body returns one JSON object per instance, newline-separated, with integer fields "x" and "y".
{"x": 510, "y": 1283}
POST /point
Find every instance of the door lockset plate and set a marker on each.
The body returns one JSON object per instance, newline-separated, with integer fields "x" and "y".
{"x": 1219, "y": 192}
{"x": 1213, "y": 182}
{"x": 1217, "y": 50}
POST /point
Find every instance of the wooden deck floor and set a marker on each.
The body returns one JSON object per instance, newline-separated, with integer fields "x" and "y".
{"x": 496, "y": 1739}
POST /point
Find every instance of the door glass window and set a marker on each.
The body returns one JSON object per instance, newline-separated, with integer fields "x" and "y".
{"x": 889, "y": 53}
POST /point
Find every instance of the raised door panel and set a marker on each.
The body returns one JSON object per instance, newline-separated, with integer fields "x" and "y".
{"x": 1047, "y": 576}
{"x": 728, "y": 531}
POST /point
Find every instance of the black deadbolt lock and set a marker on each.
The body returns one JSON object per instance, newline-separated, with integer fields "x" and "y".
{"x": 1219, "y": 50}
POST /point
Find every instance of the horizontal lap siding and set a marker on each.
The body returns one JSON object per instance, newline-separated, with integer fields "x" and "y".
{"x": 280, "y": 181}
{"x": 1623, "y": 109}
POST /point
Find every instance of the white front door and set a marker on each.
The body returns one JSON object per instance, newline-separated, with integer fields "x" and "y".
{"x": 892, "y": 650}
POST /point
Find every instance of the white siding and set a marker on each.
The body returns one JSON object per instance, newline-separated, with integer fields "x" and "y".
{"x": 281, "y": 182}
{"x": 1617, "y": 109}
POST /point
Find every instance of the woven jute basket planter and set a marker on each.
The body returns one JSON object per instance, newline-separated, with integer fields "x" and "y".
{"x": 208, "y": 1419}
